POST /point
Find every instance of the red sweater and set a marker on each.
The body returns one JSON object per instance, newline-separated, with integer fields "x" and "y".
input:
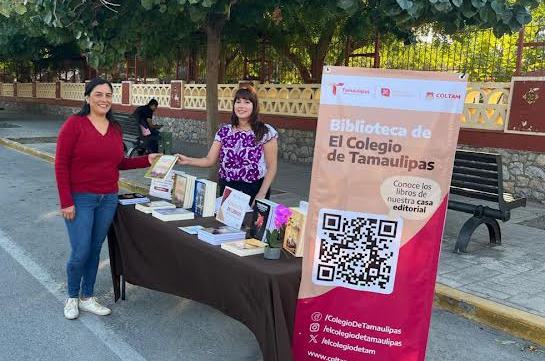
{"x": 87, "y": 161}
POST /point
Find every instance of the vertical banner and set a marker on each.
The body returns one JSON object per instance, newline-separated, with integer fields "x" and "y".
{"x": 383, "y": 157}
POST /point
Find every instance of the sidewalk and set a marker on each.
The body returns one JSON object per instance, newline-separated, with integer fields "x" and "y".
{"x": 503, "y": 286}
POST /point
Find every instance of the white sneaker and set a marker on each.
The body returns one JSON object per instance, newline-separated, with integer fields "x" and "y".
{"x": 71, "y": 311}
{"x": 91, "y": 305}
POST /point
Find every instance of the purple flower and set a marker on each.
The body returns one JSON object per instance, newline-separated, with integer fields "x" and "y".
{"x": 281, "y": 216}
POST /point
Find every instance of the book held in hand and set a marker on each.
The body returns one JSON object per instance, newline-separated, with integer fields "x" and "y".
{"x": 161, "y": 167}
{"x": 150, "y": 206}
{"x": 132, "y": 198}
{"x": 245, "y": 247}
{"x": 218, "y": 235}
{"x": 233, "y": 207}
{"x": 172, "y": 214}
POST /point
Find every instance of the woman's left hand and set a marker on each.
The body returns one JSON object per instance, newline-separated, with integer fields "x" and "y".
{"x": 153, "y": 156}
{"x": 259, "y": 195}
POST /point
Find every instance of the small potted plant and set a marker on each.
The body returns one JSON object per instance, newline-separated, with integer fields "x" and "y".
{"x": 275, "y": 238}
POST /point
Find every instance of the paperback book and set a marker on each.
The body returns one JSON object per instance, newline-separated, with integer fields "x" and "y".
{"x": 161, "y": 167}
{"x": 293, "y": 236}
{"x": 205, "y": 198}
{"x": 218, "y": 235}
{"x": 132, "y": 198}
{"x": 183, "y": 189}
{"x": 162, "y": 188}
{"x": 172, "y": 214}
{"x": 191, "y": 229}
{"x": 150, "y": 206}
{"x": 262, "y": 218}
{"x": 247, "y": 247}
{"x": 233, "y": 207}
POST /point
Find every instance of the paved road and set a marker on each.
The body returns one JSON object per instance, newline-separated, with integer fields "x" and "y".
{"x": 149, "y": 325}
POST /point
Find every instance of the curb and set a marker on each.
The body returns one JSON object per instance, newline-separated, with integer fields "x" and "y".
{"x": 27, "y": 150}
{"x": 123, "y": 183}
{"x": 508, "y": 319}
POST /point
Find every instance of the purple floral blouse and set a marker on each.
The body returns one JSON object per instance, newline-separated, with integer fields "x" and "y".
{"x": 241, "y": 159}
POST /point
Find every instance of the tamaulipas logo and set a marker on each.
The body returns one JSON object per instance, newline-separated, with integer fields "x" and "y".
{"x": 343, "y": 89}
{"x": 335, "y": 86}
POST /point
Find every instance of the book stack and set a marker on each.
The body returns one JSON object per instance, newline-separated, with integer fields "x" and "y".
{"x": 294, "y": 235}
{"x": 247, "y": 247}
{"x": 233, "y": 207}
{"x": 172, "y": 214}
{"x": 263, "y": 218}
{"x": 183, "y": 190}
{"x": 205, "y": 198}
{"x": 132, "y": 198}
{"x": 218, "y": 235}
{"x": 150, "y": 206}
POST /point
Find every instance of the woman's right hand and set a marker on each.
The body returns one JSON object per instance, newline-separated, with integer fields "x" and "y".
{"x": 183, "y": 159}
{"x": 68, "y": 213}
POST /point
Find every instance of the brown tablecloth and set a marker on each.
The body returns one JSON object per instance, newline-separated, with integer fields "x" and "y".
{"x": 262, "y": 294}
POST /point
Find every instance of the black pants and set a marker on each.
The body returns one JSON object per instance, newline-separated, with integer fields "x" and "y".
{"x": 151, "y": 143}
{"x": 250, "y": 189}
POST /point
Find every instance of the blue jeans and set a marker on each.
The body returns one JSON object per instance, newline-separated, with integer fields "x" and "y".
{"x": 87, "y": 231}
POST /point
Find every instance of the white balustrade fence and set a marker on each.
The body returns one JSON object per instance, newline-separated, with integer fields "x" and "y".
{"x": 142, "y": 93}
{"x": 24, "y": 90}
{"x": 72, "y": 91}
{"x": 45, "y": 90}
{"x": 486, "y": 104}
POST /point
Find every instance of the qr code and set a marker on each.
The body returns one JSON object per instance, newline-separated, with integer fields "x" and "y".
{"x": 356, "y": 250}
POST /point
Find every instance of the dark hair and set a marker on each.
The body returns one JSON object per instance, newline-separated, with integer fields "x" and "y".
{"x": 86, "y": 109}
{"x": 153, "y": 102}
{"x": 259, "y": 128}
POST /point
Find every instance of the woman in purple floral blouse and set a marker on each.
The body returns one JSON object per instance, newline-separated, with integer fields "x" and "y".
{"x": 246, "y": 148}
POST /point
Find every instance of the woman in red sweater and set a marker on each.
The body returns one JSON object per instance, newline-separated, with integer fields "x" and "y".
{"x": 87, "y": 162}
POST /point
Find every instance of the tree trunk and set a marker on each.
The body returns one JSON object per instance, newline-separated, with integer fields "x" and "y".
{"x": 213, "y": 48}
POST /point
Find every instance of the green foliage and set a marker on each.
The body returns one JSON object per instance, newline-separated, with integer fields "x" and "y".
{"x": 274, "y": 239}
{"x": 305, "y": 32}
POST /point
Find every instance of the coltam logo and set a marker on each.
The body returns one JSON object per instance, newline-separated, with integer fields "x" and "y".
{"x": 433, "y": 95}
{"x": 385, "y": 92}
{"x": 335, "y": 86}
